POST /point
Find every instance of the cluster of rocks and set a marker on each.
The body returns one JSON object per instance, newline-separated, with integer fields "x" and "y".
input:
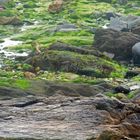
{"x": 124, "y": 23}
{"x": 108, "y": 43}
{"x": 121, "y": 35}
{"x": 116, "y": 42}
{"x": 121, "y": 38}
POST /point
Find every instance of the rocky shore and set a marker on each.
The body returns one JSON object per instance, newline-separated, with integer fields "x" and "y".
{"x": 70, "y": 70}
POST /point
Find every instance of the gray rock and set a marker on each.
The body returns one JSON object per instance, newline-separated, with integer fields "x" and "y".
{"x": 124, "y": 22}
{"x": 109, "y": 15}
{"x": 6, "y": 92}
{"x": 124, "y": 2}
{"x": 117, "y": 24}
{"x": 110, "y": 55}
{"x": 65, "y": 27}
{"x": 136, "y": 54}
{"x": 92, "y": 29}
{"x": 68, "y": 118}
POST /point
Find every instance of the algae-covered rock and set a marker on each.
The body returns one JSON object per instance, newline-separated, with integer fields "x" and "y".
{"x": 10, "y": 21}
{"x": 60, "y": 46}
{"x": 80, "y": 61}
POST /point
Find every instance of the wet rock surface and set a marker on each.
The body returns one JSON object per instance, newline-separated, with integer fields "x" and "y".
{"x": 66, "y": 118}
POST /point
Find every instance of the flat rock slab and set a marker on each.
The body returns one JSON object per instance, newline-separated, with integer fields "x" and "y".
{"x": 67, "y": 118}
{"x": 52, "y": 118}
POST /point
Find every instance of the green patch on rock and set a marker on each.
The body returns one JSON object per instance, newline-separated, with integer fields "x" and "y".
{"x": 22, "y": 84}
{"x": 13, "y": 79}
{"x": 64, "y": 61}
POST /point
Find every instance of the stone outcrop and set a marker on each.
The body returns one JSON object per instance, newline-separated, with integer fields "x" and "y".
{"x": 63, "y": 57}
{"x": 118, "y": 43}
{"x": 60, "y": 46}
{"x": 69, "y": 118}
{"x": 6, "y": 92}
{"x": 42, "y": 87}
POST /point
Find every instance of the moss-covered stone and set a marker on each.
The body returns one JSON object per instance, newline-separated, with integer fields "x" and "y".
{"x": 68, "y": 61}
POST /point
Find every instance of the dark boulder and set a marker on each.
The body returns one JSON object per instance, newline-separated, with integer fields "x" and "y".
{"x": 136, "y": 30}
{"x": 122, "y": 89}
{"x": 109, "y": 15}
{"x": 132, "y": 73}
{"x": 118, "y": 43}
{"x": 136, "y": 54}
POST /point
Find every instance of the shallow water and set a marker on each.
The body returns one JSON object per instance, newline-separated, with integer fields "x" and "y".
{"x": 134, "y": 87}
{"x": 105, "y": 26}
{"x": 7, "y": 53}
{"x": 8, "y": 42}
{"x": 26, "y": 27}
